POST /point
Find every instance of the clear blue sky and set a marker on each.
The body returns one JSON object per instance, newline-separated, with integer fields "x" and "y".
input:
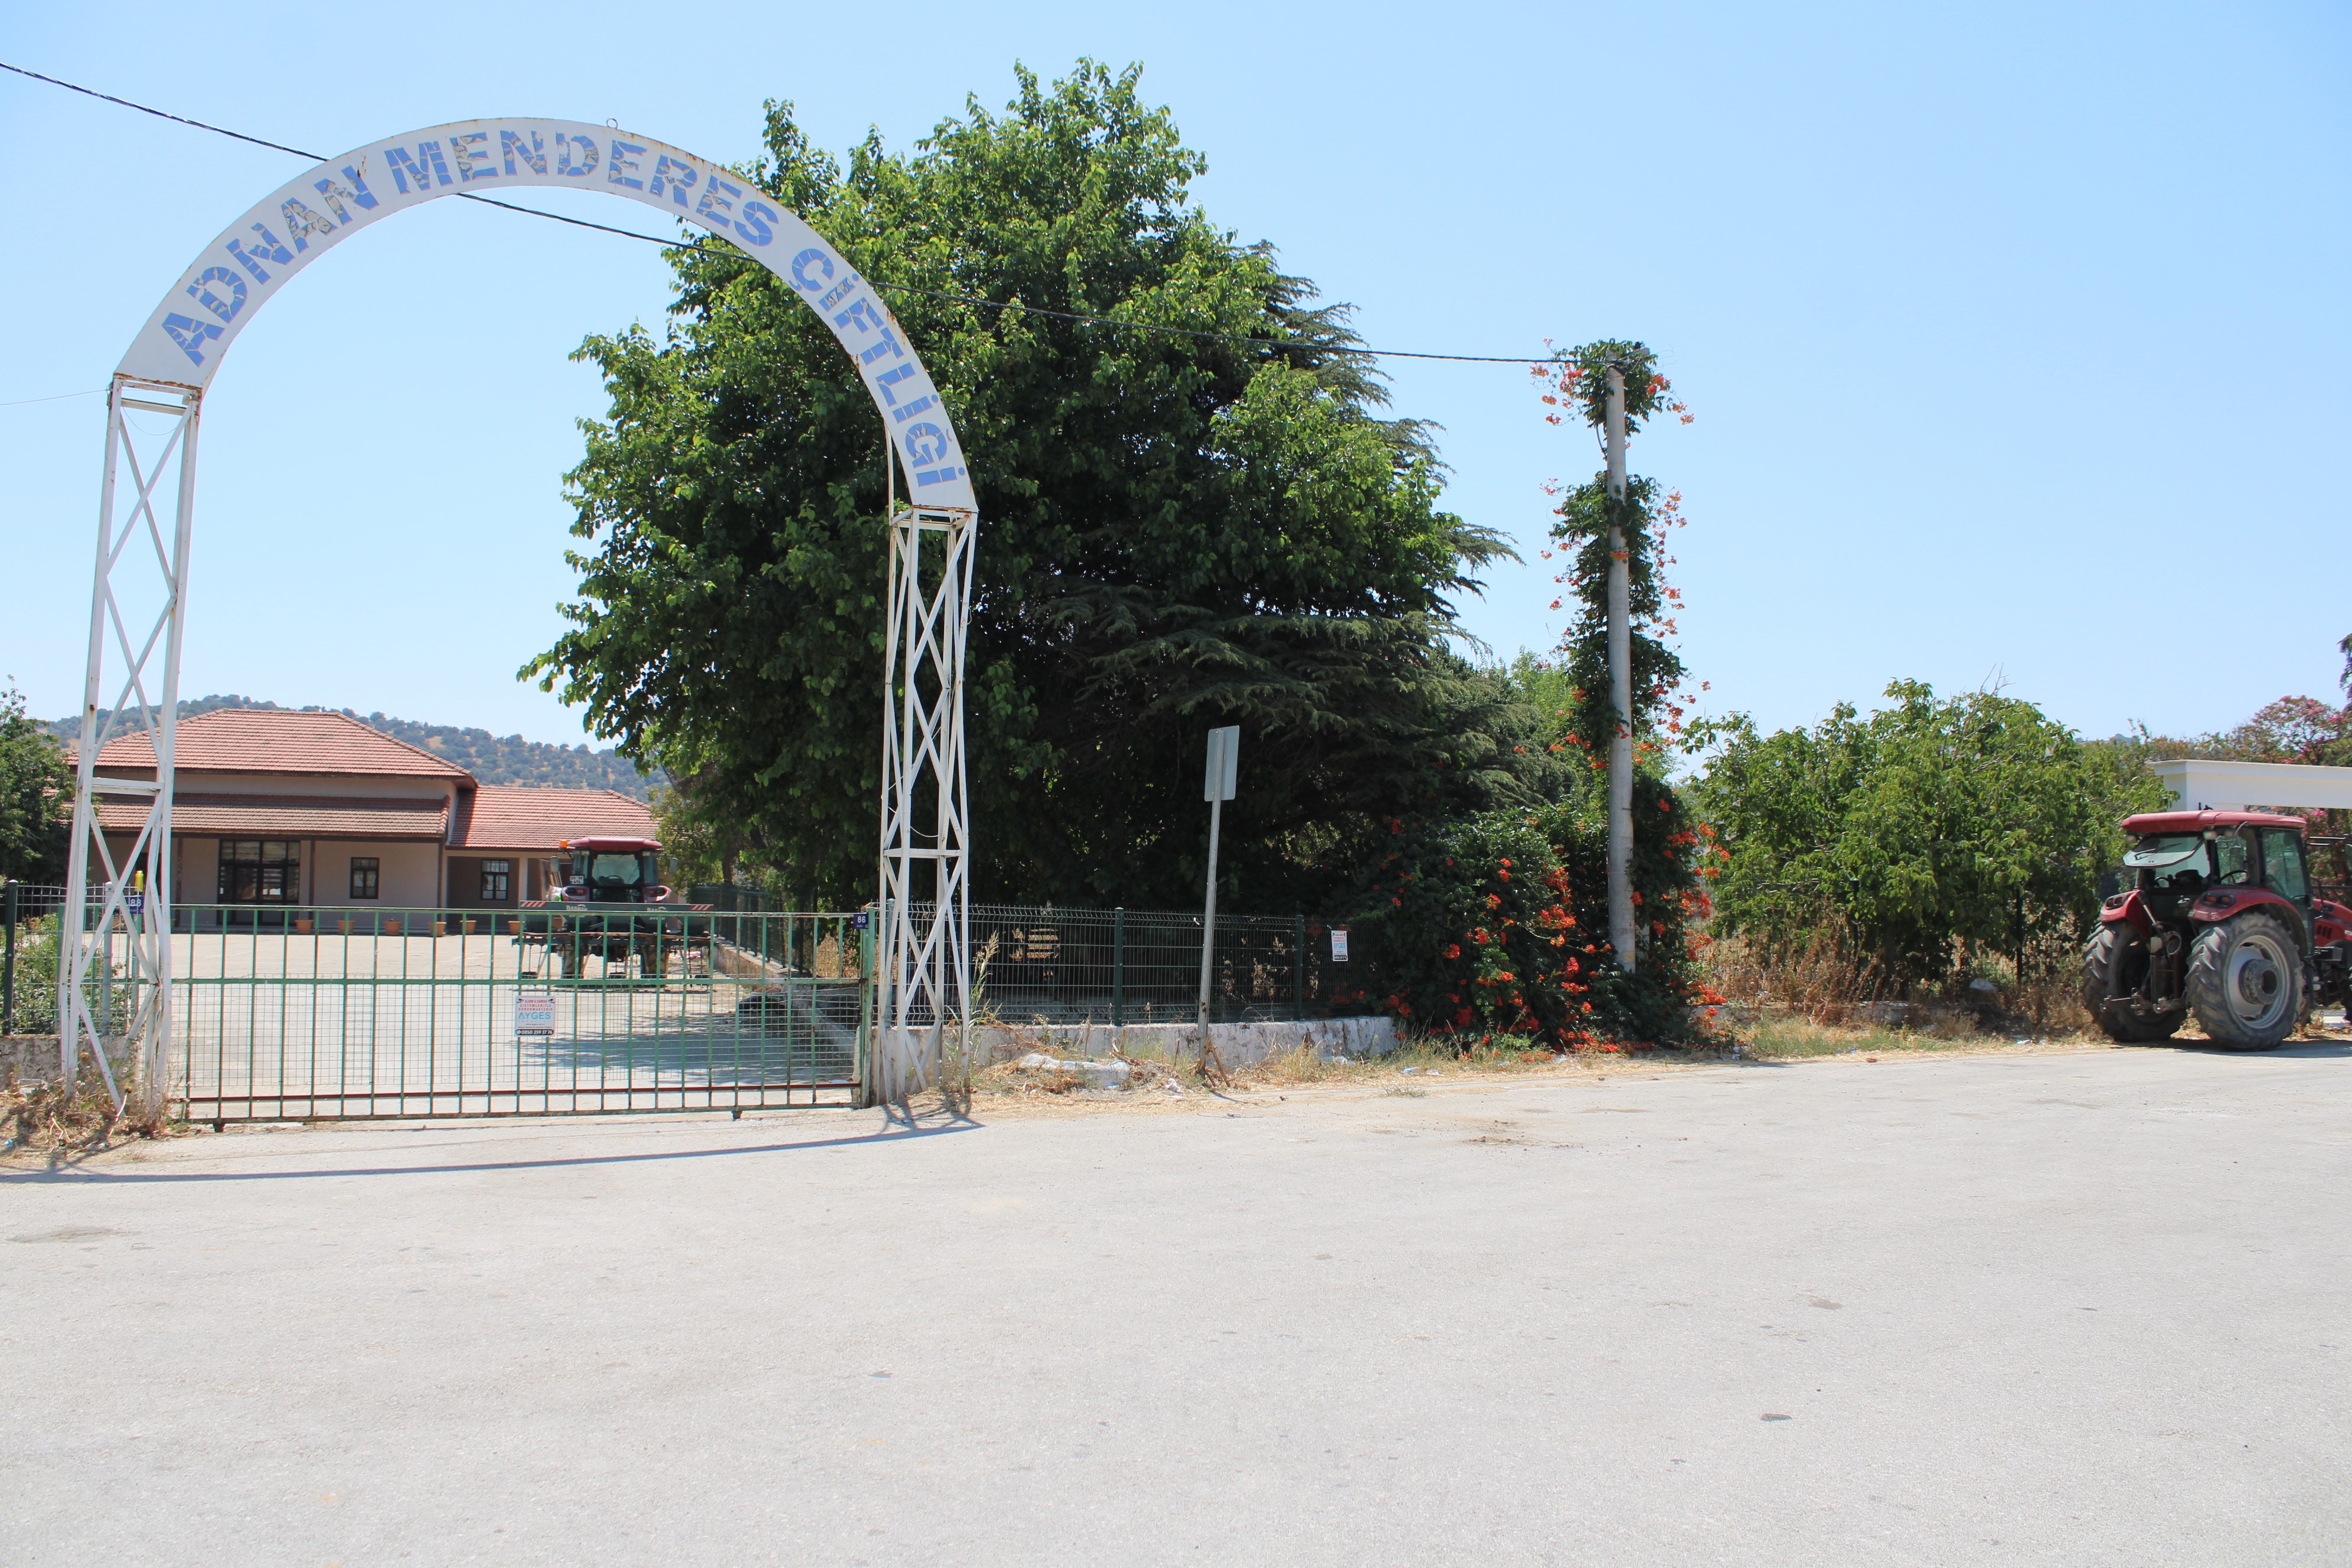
{"x": 2016, "y": 333}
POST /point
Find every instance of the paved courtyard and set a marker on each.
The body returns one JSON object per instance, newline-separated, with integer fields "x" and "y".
{"x": 2025, "y": 1308}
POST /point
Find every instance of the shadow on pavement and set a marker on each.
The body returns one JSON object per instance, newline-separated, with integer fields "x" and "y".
{"x": 2305, "y": 1050}
{"x": 899, "y": 1132}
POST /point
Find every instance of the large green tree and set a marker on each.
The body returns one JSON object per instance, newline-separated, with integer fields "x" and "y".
{"x": 1179, "y": 529}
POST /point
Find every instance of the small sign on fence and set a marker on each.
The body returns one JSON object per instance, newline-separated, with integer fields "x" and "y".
{"x": 534, "y": 1014}
{"x": 1338, "y": 945}
{"x": 861, "y": 919}
{"x": 134, "y": 903}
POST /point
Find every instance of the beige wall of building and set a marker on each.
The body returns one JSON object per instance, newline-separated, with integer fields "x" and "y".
{"x": 407, "y": 875}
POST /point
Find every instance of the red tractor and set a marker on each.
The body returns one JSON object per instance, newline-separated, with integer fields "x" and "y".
{"x": 2216, "y": 917}
{"x": 601, "y": 913}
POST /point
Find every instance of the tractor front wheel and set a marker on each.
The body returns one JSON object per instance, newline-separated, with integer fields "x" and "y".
{"x": 2113, "y": 969}
{"x": 2245, "y": 981}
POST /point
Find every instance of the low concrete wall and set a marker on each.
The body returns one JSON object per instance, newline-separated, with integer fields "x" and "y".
{"x": 742, "y": 963}
{"x": 1238, "y": 1045}
{"x": 33, "y": 1059}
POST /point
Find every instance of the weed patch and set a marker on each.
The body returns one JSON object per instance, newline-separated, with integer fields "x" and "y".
{"x": 40, "y": 1118}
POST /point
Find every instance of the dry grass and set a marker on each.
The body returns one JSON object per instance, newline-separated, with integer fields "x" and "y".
{"x": 1827, "y": 982}
{"x": 1823, "y": 982}
{"x": 1411, "y": 1070}
{"x": 1788, "y": 1037}
{"x": 40, "y": 1118}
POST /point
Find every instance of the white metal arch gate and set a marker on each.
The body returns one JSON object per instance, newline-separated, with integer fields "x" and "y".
{"x": 925, "y": 964}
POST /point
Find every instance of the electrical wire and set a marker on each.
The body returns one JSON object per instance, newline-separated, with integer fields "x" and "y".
{"x": 894, "y": 288}
{"x": 60, "y": 398}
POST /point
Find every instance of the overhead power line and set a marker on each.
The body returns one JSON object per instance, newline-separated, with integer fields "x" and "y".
{"x": 894, "y": 288}
{"x": 58, "y": 397}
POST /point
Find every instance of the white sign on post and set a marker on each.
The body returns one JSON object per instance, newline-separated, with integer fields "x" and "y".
{"x": 534, "y": 1014}
{"x": 1224, "y": 761}
{"x": 1338, "y": 945}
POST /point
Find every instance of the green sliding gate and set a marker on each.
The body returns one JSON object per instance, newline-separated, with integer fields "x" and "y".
{"x": 293, "y": 1014}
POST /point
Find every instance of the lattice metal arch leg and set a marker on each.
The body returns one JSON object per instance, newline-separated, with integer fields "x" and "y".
{"x": 924, "y": 976}
{"x": 97, "y": 1001}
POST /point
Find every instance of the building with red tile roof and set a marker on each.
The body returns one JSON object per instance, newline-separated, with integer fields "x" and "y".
{"x": 275, "y": 808}
{"x": 539, "y": 821}
{"x": 277, "y": 741}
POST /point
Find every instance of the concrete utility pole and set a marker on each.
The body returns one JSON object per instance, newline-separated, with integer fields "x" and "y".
{"x": 1621, "y": 692}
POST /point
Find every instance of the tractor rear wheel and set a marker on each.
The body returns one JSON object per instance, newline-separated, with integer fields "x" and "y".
{"x": 2111, "y": 970}
{"x": 2245, "y": 981}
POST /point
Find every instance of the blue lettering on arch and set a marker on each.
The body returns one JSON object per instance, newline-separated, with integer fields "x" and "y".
{"x": 300, "y": 221}
{"x": 402, "y": 164}
{"x": 467, "y": 158}
{"x": 715, "y": 207}
{"x": 862, "y": 315}
{"x": 190, "y": 335}
{"x": 926, "y": 443}
{"x": 226, "y": 310}
{"x": 886, "y": 343}
{"x": 883, "y": 382}
{"x": 511, "y": 144}
{"x": 800, "y": 269}
{"x": 677, "y": 177}
{"x": 613, "y": 172}
{"x": 758, "y": 215}
{"x": 269, "y": 248}
{"x": 337, "y": 194}
{"x": 928, "y": 477}
{"x": 564, "y": 165}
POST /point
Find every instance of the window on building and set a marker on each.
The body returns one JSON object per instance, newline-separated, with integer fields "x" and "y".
{"x": 261, "y": 870}
{"x": 498, "y": 879}
{"x": 364, "y": 870}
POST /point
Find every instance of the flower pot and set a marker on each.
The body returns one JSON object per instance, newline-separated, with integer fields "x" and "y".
{"x": 392, "y": 928}
{"x": 302, "y": 925}
{"x": 344, "y": 927}
{"x": 469, "y": 927}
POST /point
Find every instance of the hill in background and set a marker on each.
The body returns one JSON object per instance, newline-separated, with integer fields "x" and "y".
{"x": 492, "y": 759}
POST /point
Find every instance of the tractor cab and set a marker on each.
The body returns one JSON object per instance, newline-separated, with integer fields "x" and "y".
{"x": 611, "y": 870}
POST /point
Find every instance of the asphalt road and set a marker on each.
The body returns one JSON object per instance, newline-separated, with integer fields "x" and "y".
{"x": 2080, "y": 1308}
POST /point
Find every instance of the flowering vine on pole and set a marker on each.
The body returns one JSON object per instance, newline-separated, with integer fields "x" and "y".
{"x": 1616, "y": 526}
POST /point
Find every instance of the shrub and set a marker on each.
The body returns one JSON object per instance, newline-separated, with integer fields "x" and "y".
{"x": 1497, "y": 923}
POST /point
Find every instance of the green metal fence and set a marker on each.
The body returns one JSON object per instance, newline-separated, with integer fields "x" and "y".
{"x": 294, "y": 1013}
{"x": 299, "y": 1013}
{"x": 1143, "y": 967}
{"x": 28, "y": 991}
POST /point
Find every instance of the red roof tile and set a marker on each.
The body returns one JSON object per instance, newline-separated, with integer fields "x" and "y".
{"x": 508, "y": 816}
{"x": 278, "y": 741}
{"x": 281, "y": 816}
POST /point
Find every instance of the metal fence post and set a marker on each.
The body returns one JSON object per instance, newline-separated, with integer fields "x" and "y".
{"x": 867, "y": 1012}
{"x": 1299, "y": 966}
{"x": 1118, "y": 966}
{"x": 8, "y": 959}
